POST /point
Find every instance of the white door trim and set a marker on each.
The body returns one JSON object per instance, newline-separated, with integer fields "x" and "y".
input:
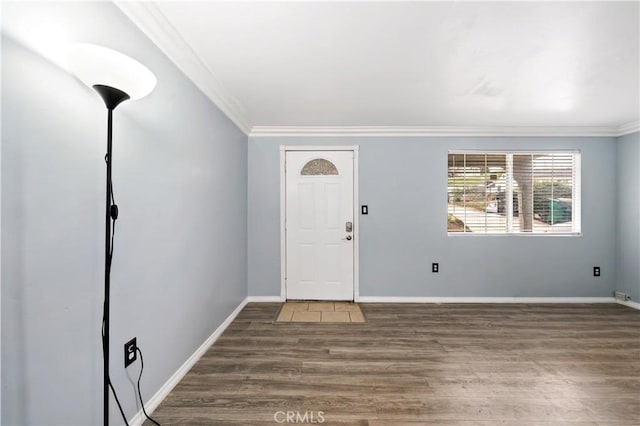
{"x": 356, "y": 214}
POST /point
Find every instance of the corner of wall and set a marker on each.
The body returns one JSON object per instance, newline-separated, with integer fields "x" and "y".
{"x": 627, "y": 212}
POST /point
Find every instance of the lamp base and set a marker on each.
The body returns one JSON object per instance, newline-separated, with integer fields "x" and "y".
{"x": 111, "y": 96}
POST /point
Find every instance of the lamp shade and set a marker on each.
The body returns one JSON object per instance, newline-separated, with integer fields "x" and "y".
{"x": 97, "y": 65}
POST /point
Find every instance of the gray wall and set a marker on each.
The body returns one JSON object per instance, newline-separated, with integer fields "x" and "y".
{"x": 628, "y": 209}
{"x": 180, "y": 178}
{"x": 404, "y": 181}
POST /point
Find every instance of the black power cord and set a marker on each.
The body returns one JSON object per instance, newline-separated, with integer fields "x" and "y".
{"x": 113, "y": 233}
{"x": 114, "y": 217}
{"x": 140, "y": 393}
{"x": 115, "y": 395}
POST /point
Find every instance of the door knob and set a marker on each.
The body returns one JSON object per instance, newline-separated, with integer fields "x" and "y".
{"x": 348, "y": 238}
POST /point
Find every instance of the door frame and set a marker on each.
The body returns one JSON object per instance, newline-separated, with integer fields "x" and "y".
{"x": 283, "y": 208}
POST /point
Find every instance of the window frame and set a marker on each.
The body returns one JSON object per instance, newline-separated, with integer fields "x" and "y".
{"x": 576, "y": 191}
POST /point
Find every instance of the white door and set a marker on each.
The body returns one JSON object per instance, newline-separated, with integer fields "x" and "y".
{"x": 319, "y": 225}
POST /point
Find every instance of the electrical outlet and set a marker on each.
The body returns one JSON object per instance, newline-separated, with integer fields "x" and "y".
{"x": 621, "y": 296}
{"x": 596, "y": 271}
{"x": 130, "y": 352}
{"x": 435, "y": 267}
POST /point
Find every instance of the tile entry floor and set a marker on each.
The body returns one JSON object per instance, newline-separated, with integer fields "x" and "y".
{"x": 320, "y": 312}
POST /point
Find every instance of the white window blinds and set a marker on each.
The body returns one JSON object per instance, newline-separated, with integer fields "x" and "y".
{"x": 513, "y": 192}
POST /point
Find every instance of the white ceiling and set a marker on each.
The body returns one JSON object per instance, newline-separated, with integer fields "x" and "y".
{"x": 535, "y": 67}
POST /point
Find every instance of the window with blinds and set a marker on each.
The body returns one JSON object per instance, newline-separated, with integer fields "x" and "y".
{"x": 513, "y": 192}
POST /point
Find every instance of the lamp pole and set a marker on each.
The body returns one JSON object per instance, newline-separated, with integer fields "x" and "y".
{"x": 112, "y": 98}
{"x": 104, "y": 70}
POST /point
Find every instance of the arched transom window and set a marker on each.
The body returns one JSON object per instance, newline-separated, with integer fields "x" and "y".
{"x": 319, "y": 166}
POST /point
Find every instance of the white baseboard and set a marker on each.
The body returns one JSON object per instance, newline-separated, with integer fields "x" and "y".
{"x": 390, "y": 299}
{"x": 374, "y": 299}
{"x": 629, "y": 303}
{"x": 265, "y": 299}
{"x": 162, "y": 393}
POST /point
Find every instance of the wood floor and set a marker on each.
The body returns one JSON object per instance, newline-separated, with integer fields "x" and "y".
{"x": 421, "y": 364}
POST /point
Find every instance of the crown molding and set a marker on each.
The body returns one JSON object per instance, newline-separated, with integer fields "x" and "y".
{"x": 397, "y": 131}
{"x": 150, "y": 19}
{"x": 629, "y": 128}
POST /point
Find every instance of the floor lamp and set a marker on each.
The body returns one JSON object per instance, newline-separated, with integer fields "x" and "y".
{"x": 116, "y": 78}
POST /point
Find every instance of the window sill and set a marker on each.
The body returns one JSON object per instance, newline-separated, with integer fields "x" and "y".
{"x": 514, "y": 234}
